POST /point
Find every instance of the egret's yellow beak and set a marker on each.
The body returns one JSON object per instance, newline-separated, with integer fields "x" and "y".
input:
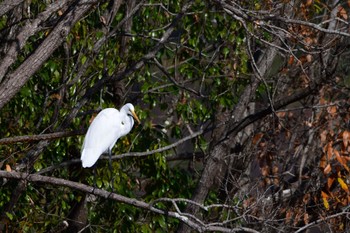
{"x": 135, "y": 116}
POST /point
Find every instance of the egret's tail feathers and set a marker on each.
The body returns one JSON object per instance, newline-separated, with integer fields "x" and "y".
{"x": 89, "y": 156}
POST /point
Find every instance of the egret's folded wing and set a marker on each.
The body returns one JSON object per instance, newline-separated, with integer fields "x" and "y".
{"x": 101, "y": 135}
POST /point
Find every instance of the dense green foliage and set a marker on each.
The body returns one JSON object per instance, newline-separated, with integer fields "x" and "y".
{"x": 181, "y": 88}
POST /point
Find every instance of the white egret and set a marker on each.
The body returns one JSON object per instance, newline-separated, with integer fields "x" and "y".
{"x": 107, "y": 127}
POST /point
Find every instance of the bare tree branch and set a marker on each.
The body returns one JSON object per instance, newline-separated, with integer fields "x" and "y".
{"x": 322, "y": 220}
{"x": 48, "y": 136}
{"x": 113, "y": 196}
{"x": 262, "y": 18}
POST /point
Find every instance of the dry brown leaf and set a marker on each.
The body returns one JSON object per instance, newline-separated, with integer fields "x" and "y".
{"x": 327, "y": 169}
{"x": 257, "y": 138}
{"x": 329, "y": 151}
{"x": 346, "y": 136}
{"x": 340, "y": 160}
{"x": 306, "y": 218}
{"x": 323, "y": 161}
{"x": 103, "y": 20}
{"x": 309, "y": 58}
{"x": 308, "y": 41}
{"x": 289, "y": 216}
{"x": 306, "y": 198}
{"x": 281, "y": 114}
{"x": 56, "y": 96}
{"x": 323, "y": 136}
{"x": 291, "y": 60}
{"x": 342, "y": 13}
{"x": 265, "y": 171}
{"x": 275, "y": 170}
{"x": 8, "y": 168}
{"x": 330, "y": 182}
{"x": 308, "y": 2}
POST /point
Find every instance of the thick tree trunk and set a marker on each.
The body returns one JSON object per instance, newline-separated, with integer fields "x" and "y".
{"x": 15, "y": 80}
{"x": 217, "y": 164}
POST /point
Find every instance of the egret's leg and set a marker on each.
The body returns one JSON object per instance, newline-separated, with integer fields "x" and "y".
{"x": 110, "y": 168}
{"x": 94, "y": 174}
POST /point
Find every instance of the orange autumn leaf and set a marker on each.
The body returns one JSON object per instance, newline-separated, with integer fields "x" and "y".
{"x": 332, "y": 109}
{"x": 330, "y": 181}
{"x": 291, "y": 60}
{"x": 340, "y": 160}
{"x": 257, "y": 138}
{"x": 324, "y": 195}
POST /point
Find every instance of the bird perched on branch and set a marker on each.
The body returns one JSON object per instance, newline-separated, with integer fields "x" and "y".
{"x": 107, "y": 127}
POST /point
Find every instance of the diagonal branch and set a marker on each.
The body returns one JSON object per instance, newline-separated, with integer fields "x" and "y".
{"x": 7, "y": 5}
{"x": 119, "y": 198}
{"x": 298, "y": 95}
{"x": 29, "y": 29}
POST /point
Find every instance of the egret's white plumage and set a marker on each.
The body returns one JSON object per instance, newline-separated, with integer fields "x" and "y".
{"x": 107, "y": 127}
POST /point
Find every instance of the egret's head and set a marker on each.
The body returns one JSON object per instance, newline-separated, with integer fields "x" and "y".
{"x": 130, "y": 110}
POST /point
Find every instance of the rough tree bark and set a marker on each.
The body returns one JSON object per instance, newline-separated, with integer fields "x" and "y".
{"x": 16, "y": 79}
{"x": 217, "y": 163}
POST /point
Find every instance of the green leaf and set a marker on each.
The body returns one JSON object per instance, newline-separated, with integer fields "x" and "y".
{"x": 9, "y": 215}
{"x": 99, "y": 183}
{"x": 38, "y": 166}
